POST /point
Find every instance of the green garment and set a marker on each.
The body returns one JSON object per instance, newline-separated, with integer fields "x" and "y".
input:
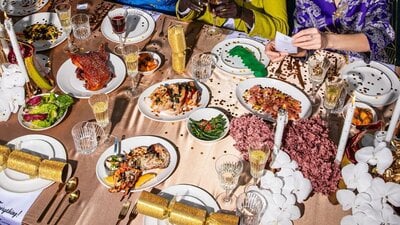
{"x": 269, "y": 16}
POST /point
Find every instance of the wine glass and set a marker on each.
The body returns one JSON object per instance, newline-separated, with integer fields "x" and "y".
{"x": 258, "y": 158}
{"x": 202, "y": 66}
{"x": 229, "y": 167}
{"x": 317, "y": 69}
{"x": 118, "y": 22}
{"x": 333, "y": 90}
{"x": 214, "y": 30}
{"x": 130, "y": 54}
{"x": 63, "y": 11}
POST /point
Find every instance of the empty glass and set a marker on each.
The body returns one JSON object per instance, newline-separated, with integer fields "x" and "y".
{"x": 229, "y": 167}
{"x": 85, "y": 137}
{"x": 80, "y": 26}
{"x": 202, "y": 66}
{"x": 317, "y": 68}
{"x": 250, "y": 207}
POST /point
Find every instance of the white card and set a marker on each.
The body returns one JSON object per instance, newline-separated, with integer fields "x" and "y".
{"x": 283, "y": 43}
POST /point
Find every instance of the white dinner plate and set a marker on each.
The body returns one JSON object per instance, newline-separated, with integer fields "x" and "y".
{"x": 41, "y": 18}
{"x": 233, "y": 64}
{"x": 189, "y": 194}
{"x": 47, "y": 147}
{"x": 373, "y": 83}
{"x": 70, "y": 84}
{"x": 130, "y": 143}
{"x": 139, "y": 26}
{"x": 21, "y": 7}
{"x": 294, "y": 92}
{"x": 144, "y": 104}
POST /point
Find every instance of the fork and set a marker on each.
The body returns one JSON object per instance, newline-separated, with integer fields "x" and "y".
{"x": 124, "y": 211}
{"x": 133, "y": 214}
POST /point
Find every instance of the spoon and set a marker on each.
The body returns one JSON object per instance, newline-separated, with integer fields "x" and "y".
{"x": 73, "y": 197}
{"x": 70, "y": 186}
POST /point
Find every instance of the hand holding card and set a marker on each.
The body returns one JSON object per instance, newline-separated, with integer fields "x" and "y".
{"x": 283, "y": 43}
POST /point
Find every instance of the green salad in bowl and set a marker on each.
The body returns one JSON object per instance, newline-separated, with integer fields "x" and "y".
{"x": 44, "y": 111}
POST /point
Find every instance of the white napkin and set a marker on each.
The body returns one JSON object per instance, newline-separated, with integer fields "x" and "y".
{"x": 14, "y": 206}
{"x": 153, "y": 14}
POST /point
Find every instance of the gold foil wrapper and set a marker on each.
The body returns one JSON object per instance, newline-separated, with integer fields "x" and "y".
{"x": 222, "y": 219}
{"x": 53, "y": 170}
{"x": 24, "y": 162}
{"x": 4, "y": 153}
{"x": 153, "y": 205}
{"x": 182, "y": 214}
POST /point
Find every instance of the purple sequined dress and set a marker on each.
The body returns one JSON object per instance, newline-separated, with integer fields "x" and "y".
{"x": 371, "y": 17}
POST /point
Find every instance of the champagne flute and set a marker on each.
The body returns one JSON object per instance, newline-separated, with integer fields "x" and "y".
{"x": 333, "y": 90}
{"x": 258, "y": 158}
{"x": 118, "y": 22}
{"x": 130, "y": 54}
{"x": 317, "y": 69}
{"x": 229, "y": 167}
{"x": 63, "y": 11}
{"x": 99, "y": 105}
{"x": 214, "y": 30}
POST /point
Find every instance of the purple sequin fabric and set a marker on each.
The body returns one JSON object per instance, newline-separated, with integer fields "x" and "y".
{"x": 371, "y": 17}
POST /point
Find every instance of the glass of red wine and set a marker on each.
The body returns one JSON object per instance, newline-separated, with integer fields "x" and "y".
{"x": 118, "y": 22}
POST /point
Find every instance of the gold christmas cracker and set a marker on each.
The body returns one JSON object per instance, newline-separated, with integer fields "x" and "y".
{"x": 53, "y": 170}
{"x": 222, "y": 219}
{"x": 182, "y": 214}
{"x": 153, "y": 205}
{"x": 24, "y": 162}
{"x": 4, "y": 153}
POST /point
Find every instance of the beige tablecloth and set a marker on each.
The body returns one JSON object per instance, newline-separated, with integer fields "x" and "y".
{"x": 196, "y": 160}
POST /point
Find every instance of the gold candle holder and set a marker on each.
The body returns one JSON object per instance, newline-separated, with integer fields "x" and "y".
{"x": 24, "y": 162}
{"x": 53, "y": 170}
{"x": 152, "y": 205}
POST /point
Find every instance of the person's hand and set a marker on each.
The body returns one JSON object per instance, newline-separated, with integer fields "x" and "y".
{"x": 272, "y": 54}
{"x": 310, "y": 38}
{"x": 228, "y": 9}
{"x": 196, "y": 5}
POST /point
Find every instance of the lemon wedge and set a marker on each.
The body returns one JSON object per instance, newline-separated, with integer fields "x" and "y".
{"x": 109, "y": 180}
{"x": 144, "y": 179}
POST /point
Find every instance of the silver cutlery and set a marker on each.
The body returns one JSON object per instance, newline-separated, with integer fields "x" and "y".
{"x": 73, "y": 197}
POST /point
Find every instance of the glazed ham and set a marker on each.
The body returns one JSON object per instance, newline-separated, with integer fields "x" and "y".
{"x": 92, "y": 67}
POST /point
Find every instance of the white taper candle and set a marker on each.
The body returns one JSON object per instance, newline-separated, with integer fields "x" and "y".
{"x": 14, "y": 43}
{"x": 345, "y": 132}
{"x": 280, "y": 127}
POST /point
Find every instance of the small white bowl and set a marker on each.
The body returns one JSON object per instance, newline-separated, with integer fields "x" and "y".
{"x": 207, "y": 114}
{"x": 365, "y": 106}
{"x": 156, "y": 57}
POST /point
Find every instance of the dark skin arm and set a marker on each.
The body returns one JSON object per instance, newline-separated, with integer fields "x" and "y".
{"x": 229, "y": 9}
{"x": 196, "y": 5}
